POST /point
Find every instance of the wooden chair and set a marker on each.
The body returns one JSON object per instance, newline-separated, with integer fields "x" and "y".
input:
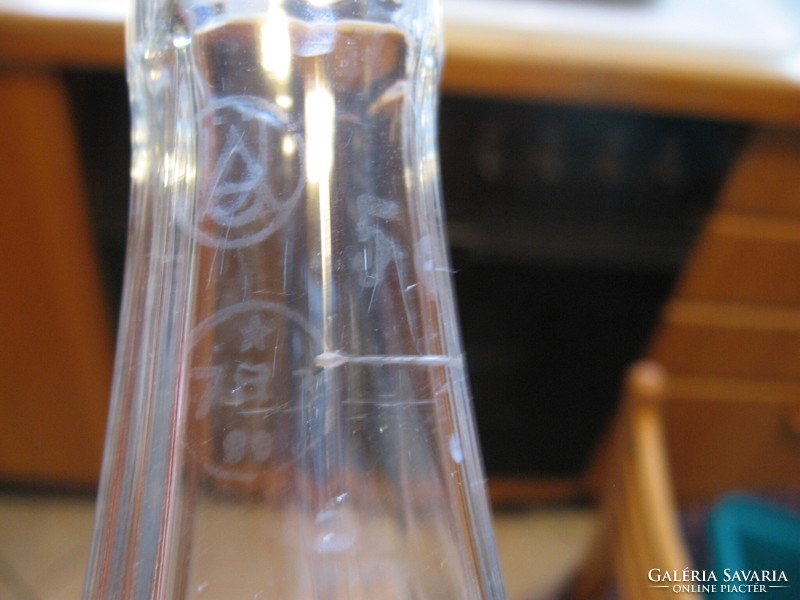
{"x": 641, "y": 497}
{"x": 639, "y": 520}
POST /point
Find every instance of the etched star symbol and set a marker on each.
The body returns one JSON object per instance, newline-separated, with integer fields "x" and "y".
{"x": 254, "y": 335}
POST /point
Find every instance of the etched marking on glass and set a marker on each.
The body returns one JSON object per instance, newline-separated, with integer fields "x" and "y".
{"x": 260, "y": 445}
{"x": 378, "y": 248}
{"x": 255, "y": 334}
{"x": 211, "y": 376}
{"x": 234, "y": 446}
{"x": 254, "y": 156}
{"x": 250, "y": 381}
{"x": 235, "y": 390}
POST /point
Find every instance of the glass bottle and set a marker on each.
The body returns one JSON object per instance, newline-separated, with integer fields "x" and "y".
{"x": 290, "y": 414}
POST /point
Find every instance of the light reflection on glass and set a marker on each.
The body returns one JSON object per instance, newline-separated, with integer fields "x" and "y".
{"x": 284, "y": 101}
{"x": 288, "y": 146}
{"x": 319, "y": 105}
{"x": 276, "y": 49}
{"x": 320, "y": 109}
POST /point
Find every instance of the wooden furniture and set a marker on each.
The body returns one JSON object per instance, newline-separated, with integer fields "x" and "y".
{"x": 56, "y": 351}
{"x": 717, "y": 407}
{"x": 669, "y": 424}
{"x": 57, "y": 355}
{"x": 639, "y": 517}
{"x": 730, "y": 335}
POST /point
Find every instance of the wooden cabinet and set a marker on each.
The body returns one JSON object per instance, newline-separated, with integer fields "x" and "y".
{"x": 56, "y": 348}
{"x": 730, "y": 334}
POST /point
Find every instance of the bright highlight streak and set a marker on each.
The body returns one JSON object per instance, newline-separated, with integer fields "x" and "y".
{"x": 320, "y": 110}
{"x": 276, "y": 48}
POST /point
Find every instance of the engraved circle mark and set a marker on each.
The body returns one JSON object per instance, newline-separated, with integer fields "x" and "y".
{"x": 233, "y": 387}
{"x": 235, "y": 337}
{"x": 252, "y": 158}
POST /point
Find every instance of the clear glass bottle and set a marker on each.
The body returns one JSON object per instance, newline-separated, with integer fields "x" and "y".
{"x": 290, "y": 415}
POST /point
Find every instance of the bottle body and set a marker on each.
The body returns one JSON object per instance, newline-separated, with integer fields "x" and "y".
{"x": 290, "y": 415}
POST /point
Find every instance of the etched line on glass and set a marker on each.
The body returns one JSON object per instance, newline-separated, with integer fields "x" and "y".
{"x": 379, "y": 249}
{"x": 388, "y": 403}
{"x": 238, "y": 210}
{"x": 335, "y": 359}
{"x": 265, "y": 411}
{"x": 255, "y": 307}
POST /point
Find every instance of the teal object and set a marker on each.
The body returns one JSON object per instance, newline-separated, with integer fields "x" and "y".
{"x": 755, "y": 549}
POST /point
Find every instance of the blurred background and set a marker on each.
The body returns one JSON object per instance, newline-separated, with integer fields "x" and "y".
{"x": 622, "y": 182}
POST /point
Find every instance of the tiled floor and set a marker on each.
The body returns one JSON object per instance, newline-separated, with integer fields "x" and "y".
{"x": 44, "y": 544}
